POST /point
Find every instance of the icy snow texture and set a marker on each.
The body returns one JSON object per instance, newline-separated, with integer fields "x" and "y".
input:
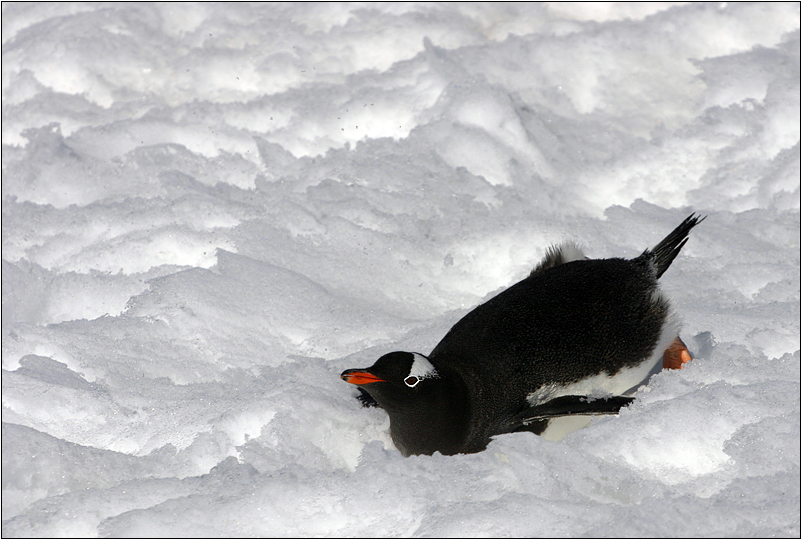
{"x": 210, "y": 210}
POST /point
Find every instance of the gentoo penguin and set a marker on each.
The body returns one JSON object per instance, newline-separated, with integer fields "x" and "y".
{"x": 576, "y": 338}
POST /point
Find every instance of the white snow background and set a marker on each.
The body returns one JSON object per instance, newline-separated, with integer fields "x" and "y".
{"x": 211, "y": 210}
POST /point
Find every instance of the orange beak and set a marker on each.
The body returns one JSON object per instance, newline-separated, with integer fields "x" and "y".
{"x": 358, "y": 376}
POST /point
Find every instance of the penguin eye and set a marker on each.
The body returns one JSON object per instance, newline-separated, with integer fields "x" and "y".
{"x": 411, "y": 381}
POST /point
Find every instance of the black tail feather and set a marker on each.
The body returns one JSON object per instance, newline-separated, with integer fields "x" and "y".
{"x": 664, "y": 253}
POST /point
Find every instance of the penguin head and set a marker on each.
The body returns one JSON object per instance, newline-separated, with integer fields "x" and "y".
{"x": 428, "y": 406}
{"x": 396, "y": 379}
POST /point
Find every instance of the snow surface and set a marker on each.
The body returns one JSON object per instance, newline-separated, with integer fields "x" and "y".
{"x": 211, "y": 210}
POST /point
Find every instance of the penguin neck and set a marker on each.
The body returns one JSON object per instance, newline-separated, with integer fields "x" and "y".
{"x": 439, "y": 422}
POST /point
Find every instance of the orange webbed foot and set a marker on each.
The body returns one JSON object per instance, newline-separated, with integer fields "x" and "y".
{"x": 677, "y": 355}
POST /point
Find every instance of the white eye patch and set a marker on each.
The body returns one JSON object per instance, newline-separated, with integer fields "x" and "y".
{"x": 421, "y": 369}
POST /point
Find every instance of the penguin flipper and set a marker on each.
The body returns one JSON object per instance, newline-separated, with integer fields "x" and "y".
{"x": 570, "y": 406}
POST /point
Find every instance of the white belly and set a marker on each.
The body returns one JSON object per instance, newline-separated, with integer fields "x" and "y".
{"x": 624, "y": 383}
